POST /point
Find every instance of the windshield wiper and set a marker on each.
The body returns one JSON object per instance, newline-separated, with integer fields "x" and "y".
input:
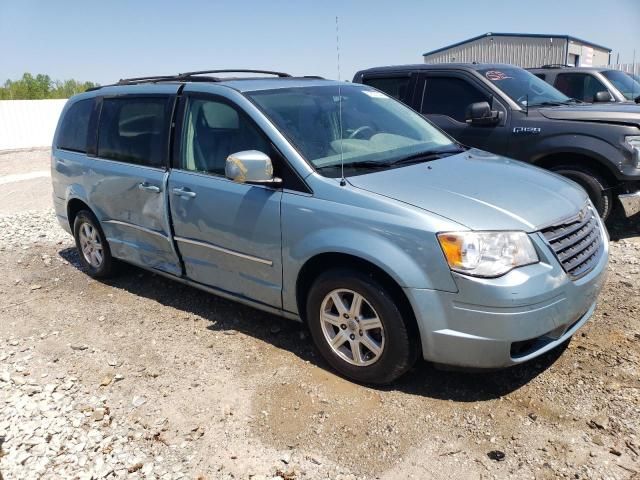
{"x": 548, "y": 104}
{"x": 413, "y": 158}
{"x": 360, "y": 164}
{"x": 426, "y": 156}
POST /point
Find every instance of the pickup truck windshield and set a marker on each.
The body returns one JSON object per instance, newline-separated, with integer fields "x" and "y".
{"x": 523, "y": 87}
{"x": 625, "y": 84}
{"x": 377, "y": 131}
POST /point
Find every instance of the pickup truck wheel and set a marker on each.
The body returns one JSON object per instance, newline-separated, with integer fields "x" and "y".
{"x": 92, "y": 245}
{"x": 358, "y": 327}
{"x": 595, "y": 186}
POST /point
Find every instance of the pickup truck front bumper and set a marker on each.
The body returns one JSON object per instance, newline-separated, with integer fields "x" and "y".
{"x": 630, "y": 203}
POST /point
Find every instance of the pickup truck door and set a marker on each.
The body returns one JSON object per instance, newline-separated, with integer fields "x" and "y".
{"x": 126, "y": 177}
{"x": 228, "y": 233}
{"x": 443, "y": 99}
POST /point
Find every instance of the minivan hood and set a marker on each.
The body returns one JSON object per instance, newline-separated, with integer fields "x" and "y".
{"x": 481, "y": 191}
{"x": 625, "y": 113}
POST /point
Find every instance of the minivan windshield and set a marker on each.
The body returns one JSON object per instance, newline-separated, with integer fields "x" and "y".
{"x": 624, "y": 83}
{"x": 377, "y": 131}
{"x": 523, "y": 87}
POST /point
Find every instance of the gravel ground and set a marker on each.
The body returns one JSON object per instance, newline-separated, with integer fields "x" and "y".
{"x": 141, "y": 377}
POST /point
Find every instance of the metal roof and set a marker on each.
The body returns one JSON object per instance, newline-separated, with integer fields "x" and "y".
{"x": 529, "y": 35}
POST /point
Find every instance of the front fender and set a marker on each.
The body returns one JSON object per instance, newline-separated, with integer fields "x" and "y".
{"x": 606, "y": 154}
{"x": 407, "y": 252}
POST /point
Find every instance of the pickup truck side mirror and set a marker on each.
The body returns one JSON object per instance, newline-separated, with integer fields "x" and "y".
{"x": 603, "y": 96}
{"x": 480, "y": 113}
{"x": 250, "y": 166}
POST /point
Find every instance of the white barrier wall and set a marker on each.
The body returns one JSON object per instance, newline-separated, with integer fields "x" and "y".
{"x": 28, "y": 123}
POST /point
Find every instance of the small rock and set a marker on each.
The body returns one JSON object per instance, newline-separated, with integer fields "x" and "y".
{"x": 98, "y": 414}
{"x": 496, "y": 455}
{"x": 615, "y": 451}
{"x": 601, "y": 422}
{"x": 35, "y": 287}
{"x": 106, "y": 380}
{"x": 79, "y": 347}
{"x": 138, "y": 401}
{"x": 135, "y": 467}
{"x": 118, "y": 377}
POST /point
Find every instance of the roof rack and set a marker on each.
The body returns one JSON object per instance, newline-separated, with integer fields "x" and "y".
{"x": 556, "y": 65}
{"x": 196, "y": 76}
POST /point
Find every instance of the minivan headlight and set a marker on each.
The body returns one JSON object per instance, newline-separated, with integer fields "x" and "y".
{"x": 634, "y": 143}
{"x": 487, "y": 254}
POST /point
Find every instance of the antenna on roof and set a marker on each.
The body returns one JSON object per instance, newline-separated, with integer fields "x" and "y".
{"x": 343, "y": 181}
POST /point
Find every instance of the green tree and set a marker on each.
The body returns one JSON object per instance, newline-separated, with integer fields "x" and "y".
{"x": 40, "y": 87}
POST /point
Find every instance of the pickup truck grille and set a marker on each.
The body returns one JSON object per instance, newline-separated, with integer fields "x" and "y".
{"x": 576, "y": 242}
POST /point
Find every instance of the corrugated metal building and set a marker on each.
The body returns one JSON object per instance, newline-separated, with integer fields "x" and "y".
{"x": 523, "y": 49}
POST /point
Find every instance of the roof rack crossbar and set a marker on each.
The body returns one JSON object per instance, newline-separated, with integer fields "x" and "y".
{"x": 240, "y": 70}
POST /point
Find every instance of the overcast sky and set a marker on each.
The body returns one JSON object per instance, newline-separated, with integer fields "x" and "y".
{"x": 104, "y": 41}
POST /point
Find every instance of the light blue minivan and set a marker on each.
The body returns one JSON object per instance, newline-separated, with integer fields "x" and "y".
{"x": 333, "y": 204}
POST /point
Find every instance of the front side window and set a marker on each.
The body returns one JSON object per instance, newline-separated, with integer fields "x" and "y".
{"x": 354, "y": 124}
{"x": 212, "y": 131}
{"x": 624, "y": 83}
{"x": 449, "y": 96}
{"x": 135, "y": 130}
{"x": 523, "y": 87}
{"x": 395, "y": 87}
{"x": 75, "y": 126}
{"x": 582, "y": 86}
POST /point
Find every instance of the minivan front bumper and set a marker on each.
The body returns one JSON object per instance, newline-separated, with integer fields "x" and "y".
{"x": 493, "y": 323}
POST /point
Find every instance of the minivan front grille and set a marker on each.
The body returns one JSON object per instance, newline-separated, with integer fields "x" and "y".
{"x": 576, "y": 242}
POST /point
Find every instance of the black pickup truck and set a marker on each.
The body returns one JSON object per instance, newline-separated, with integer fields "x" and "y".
{"x": 508, "y": 111}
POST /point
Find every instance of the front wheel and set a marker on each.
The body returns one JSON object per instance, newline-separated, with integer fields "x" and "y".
{"x": 358, "y": 327}
{"x": 92, "y": 245}
{"x": 596, "y": 187}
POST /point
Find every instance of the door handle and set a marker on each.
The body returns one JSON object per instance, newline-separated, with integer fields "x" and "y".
{"x": 149, "y": 188}
{"x": 181, "y": 192}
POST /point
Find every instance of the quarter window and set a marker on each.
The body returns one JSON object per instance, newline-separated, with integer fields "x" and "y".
{"x": 75, "y": 126}
{"x": 449, "y": 96}
{"x": 579, "y": 85}
{"x": 395, "y": 87}
{"x": 212, "y": 131}
{"x": 135, "y": 130}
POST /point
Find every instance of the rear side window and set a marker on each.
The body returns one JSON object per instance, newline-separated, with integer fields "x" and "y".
{"x": 395, "y": 87}
{"x": 579, "y": 85}
{"x": 75, "y": 126}
{"x": 135, "y": 130}
{"x": 450, "y": 97}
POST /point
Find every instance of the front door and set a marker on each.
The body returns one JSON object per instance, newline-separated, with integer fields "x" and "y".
{"x": 128, "y": 176}
{"x": 444, "y": 100}
{"x": 227, "y": 233}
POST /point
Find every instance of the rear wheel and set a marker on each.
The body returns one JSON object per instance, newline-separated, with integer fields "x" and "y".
{"x": 596, "y": 187}
{"x": 358, "y": 328}
{"x": 92, "y": 245}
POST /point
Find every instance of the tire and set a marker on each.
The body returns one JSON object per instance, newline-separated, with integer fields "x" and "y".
{"x": 394, "y": 343}
{"x": 92, "y": 245}
{"x": 596, "y": 187}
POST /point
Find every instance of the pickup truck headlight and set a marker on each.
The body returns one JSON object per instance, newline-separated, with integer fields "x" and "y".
{"x": 634, "y": 143}
{"x": 487, "y": 254}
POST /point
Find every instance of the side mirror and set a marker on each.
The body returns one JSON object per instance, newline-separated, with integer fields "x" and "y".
{"x": 250, "y": 166}
{"x": 480, "y": 113}
{"x": 603, "y": 96}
